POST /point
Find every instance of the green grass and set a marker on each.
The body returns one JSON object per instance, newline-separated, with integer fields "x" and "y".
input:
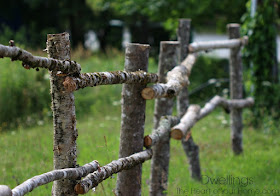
{"x": 28, "y": 152}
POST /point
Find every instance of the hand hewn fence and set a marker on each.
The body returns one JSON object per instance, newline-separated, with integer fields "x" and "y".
{"x": 176, "y": 61}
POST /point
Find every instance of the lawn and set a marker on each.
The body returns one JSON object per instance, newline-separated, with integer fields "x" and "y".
{"x": 26, "y": 152}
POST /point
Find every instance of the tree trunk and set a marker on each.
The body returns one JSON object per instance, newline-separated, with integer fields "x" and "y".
{"x": 133, "y": 120}
{"x": 64, "y": 118}
{"x": 168, "y": 59}
{"x": 235, "y": 90}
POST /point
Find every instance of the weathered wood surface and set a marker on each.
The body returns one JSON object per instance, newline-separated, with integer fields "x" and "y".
{"x": 69, "y": 173}
{"x": 30, "y": 61}
{"x": 92, "y": 180}
{"x": 168, "y": 59}
{"x": 64, "y": 117}
{"x": 105, "y": 78}
{"x": 211, "y": 45}
{"x": 177, "y": 78}
{"x": 236, "y": 88}
{"x": 183, "y": 34}
{"x": 132, "y": 120}
{"x": 194, "y": 113}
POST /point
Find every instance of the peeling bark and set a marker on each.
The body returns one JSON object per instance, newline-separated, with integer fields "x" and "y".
{"x": 133, "y": 120}
{"x": 29, "y": 61}
{"x": 177, "y": 78}
{"x": 64, "y": 118}
{"x": 168, "y": 59}
{"x": 69, "y": 173}
{"x": 5, "y": 190}
{"x": 236, "y": 83}
{"x": 194, "y": 114}
{"x": 92, "y": 180}
{"x": 105, "y": 78}
{"x": 211, "y": 45}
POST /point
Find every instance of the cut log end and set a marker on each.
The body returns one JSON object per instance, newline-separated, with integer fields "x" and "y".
{"x": 69, "y": 84}
{"x": 79, "y": 189}
{"x": 176, "y": 134}
{"x": 148, "y": 93}
{"x": 147, "y": 141}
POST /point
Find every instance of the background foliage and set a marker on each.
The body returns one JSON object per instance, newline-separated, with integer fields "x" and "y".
{"x": 261, "y": 61}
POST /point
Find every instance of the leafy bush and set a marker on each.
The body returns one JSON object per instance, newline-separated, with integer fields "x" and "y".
{"x": 260, "y": 60}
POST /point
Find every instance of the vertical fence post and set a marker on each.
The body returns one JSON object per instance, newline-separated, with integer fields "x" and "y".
{"x": 64, "y": 118}
{"x": 168, "y": 59}
{"x": 133, "y": 120}
{"x": 235, "y": 90}
{"x": 183, "y": 34}
{"x": 189, "y": 146}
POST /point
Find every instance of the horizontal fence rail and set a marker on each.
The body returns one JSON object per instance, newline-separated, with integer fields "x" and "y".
{"x": 106, "y": 78}
{"x": 221, "y": 44}
{"x": 66, "y": 77}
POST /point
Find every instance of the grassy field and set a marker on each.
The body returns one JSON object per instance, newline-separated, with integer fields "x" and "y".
{"x": 26, "y": 152}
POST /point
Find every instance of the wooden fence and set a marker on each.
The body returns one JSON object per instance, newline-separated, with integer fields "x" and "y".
{"x": 171, "y": 81}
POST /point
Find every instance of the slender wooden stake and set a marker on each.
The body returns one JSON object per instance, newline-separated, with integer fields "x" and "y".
{"x": 133, "y": 120}
{"x": 64, "y": 118}
{"x": 235, "y": 90}
{"x": 183, "y": 34}
{"x": 168, "y": 59}
{"x": 190, "y": 148}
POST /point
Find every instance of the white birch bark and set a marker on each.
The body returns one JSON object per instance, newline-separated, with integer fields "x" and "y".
{"x": 30, "y": 61}
{"x": 126, "y": 163}
{"x": 64, "y": 117}
{"x": 5, "y": 191}
{"x": 168, "y": 59}
{"x": 133, "y": 120}
{"x": 105, "y": 78}
{"x": 194, "y": 114}
{"x": 177, "y": 78}
{"x": 69, "y": 173}
{"x": 211, "y": 45}
{"x": 236, "y": 87}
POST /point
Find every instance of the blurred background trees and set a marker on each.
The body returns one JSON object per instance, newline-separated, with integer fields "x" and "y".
{"x": 108, "y": 22}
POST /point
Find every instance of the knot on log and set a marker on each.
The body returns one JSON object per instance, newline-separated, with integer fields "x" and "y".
{"x": 69, "y": 84}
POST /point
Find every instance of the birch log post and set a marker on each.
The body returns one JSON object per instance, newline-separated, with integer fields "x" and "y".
{"x": 190, "y": 148}
{"x": 168, "y": 59}
{"x": 133, "y": 120}
{"x": 235, "y": 90}
{"x": 64, "y": 118}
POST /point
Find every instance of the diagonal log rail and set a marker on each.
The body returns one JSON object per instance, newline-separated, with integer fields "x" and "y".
{"x": 211, "y": 45}
{"x": 31, "y": 61}
{"x": 69, "y": 173}
{"x": 106, "y": 78}
{"x": 92, "y": 180}
{"x": 194, "y": 113}
{"x": 177, "y": 78}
